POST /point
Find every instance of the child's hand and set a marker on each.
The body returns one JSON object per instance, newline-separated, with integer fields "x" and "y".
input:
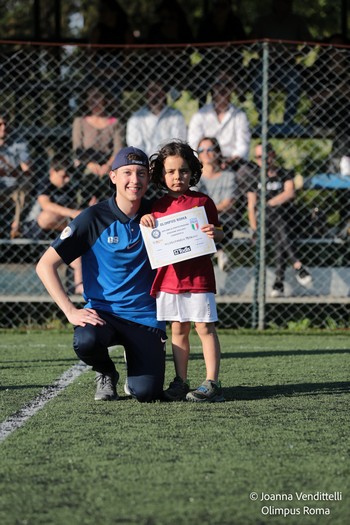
{"x": 148, "y": 220}
{"x": 214, "y": 232}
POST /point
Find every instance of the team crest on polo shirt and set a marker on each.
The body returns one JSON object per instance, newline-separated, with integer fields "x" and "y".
{"x": 194, "y": 223}
{"x": 113, "y": 240}
{"x": 67, "y": 232}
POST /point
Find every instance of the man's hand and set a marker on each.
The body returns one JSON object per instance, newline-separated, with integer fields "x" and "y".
{"x": 84, "y": 316}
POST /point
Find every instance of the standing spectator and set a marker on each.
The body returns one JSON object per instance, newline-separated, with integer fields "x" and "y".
{"x": 280, "y": 212}
{"x": 185, "y": 290}
{"x": 117, "y": 280}
{"x": 220, "y": 185}
{"x": 96, "y": 137}
{"x": 156, "y": 122}
{"x": 222, "y": 120}
{"x": 14, "y": 175}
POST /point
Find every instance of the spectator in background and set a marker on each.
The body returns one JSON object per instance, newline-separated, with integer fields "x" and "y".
{"x": 280, "y": 193}
{"x": 281, "y": 24}
{"x": 224, "y": 121}
{"x": 156, "y": 122}
{"x": 14, "y": 175}
{"x": 96, "y": 137}
{"x": 220, "y": 185}
{"x": 53, "y": 209}
{"x": 55, "y": 204}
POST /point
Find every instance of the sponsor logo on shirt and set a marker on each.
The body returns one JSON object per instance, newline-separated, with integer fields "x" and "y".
{"x": 113, "y": 240}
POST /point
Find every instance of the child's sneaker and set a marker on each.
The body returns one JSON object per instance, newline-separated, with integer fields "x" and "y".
{"x": 177, "y": 390}
{"x": 208, "y": 391}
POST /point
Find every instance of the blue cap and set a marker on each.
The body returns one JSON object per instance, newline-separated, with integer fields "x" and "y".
{"x": 130, "y": 155}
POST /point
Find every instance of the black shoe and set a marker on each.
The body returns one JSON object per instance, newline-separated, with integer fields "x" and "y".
{"x": 277, "y": 290}
{"x": 303, "y": 277}
{"x": 177, "y": 390}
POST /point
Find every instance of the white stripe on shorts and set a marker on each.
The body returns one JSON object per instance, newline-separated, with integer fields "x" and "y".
{"x": 184, "y": 307}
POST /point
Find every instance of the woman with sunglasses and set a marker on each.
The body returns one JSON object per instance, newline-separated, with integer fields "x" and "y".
{"x": 219, "y": 183}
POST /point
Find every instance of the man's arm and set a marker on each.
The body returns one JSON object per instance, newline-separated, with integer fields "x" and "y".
{"x": 286, "y": 195}
{"x": 251, "y": 197}
{"x": 46, "y": 204}
{"x": 47, "y": 270}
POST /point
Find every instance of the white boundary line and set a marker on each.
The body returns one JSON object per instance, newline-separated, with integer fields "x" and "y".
{"x": 18, "y": 419}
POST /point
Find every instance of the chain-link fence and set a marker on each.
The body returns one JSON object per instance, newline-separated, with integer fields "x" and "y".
{"x": 296, "y": 100}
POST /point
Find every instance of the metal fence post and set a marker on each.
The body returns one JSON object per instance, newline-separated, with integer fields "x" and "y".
{"x": 260, "y": 268}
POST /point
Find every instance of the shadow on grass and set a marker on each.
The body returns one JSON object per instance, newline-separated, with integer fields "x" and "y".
{"x": 272, "y": 353}
{"x": 264, "y": 392}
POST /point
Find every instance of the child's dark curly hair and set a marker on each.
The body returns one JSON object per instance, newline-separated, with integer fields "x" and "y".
{"x": 174, "y": 148}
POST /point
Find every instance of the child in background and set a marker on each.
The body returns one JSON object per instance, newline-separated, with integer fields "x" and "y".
{"x": 185, "y": 290}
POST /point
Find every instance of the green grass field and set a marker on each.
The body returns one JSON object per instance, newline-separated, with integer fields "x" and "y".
{"x": 283, "y": 432}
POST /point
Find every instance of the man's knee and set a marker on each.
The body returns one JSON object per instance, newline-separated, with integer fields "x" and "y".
{"x": 145, "y": 388}
{"x": 85, "y": 341}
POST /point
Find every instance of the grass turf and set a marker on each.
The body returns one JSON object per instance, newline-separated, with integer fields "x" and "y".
{"x": 283, "y": 430}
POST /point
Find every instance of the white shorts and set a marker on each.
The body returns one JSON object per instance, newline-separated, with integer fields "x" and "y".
{"x": 184, "y": 307}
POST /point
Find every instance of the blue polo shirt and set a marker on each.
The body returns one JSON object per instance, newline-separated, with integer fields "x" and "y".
{"x": 116, "y": 271}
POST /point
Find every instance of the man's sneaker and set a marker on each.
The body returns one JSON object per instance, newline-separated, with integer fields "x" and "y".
{"x": 106, "y": 386}
{"x": 208, "y": 391}
{"x": 277, "y": 290}
{"x": 303, "y": 277}
{"x": 177, "y": 390}
{"x": 223, "y": 260}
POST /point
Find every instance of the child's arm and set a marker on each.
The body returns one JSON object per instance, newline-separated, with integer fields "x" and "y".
{"x": 214, "y": 232}
{"x": 148, "y": 220}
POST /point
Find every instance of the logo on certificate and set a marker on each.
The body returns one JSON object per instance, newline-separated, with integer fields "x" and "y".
{"x": 155, "y": 234}
{"x": 194, "y": 223}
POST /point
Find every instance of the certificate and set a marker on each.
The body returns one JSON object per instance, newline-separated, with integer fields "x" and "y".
{"x": 177, "y": 237}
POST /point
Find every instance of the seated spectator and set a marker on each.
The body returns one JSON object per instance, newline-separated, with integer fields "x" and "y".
{"x": 97, "y": 137}
{"x": 156, "y": 122}
{"x": 55, "y": 204}
{"x": 14, "y": 175}
{"x": 219, "y": 184}
{"x": 224, "y": 121}
{"x": 281, "y": 23}
{"x": 280, "y": 211}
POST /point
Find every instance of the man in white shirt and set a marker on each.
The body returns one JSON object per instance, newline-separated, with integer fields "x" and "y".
{"x": 224, "y": 121}
{"x": 156, "y": 122}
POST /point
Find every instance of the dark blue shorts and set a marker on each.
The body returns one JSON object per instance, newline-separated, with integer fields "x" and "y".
{"x": 144, "y": 349}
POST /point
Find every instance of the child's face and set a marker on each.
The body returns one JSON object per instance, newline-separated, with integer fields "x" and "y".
{"x": 59, "y": 178}
{"x": 177, "y": 175}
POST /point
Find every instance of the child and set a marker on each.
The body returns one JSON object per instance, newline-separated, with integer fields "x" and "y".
{"x": 185, "y": 291}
